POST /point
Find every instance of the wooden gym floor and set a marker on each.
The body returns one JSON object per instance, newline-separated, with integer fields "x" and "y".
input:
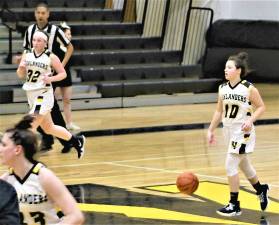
{"x": 129, "y": 177}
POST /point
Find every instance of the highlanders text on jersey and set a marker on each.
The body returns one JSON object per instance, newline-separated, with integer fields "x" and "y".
{"x": 36, "y": 67}
{"x": 236, "y": 105}
{"x": 35, "y": 206}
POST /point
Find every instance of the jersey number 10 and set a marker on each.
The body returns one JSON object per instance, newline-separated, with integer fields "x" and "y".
{"x": 231, "y": 111}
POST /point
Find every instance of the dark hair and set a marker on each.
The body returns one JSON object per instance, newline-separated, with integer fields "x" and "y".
{"x": 21, "y": 134}
{"x": 241, "y": 61}
{"x": 42, "y": 4}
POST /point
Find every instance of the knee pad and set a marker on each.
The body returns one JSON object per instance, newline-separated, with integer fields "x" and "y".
{"x": 232, "y": 163}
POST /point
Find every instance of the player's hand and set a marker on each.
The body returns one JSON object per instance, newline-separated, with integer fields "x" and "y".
{"x": 22, "y": 63}
{"x": 16, "y": 59}
{"x": 247, "y": 125}
{"x": 47, "y": 78}
{"x": 211, "y": 137}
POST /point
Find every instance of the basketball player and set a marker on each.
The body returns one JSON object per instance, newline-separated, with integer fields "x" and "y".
{"x": 234, "y": 107}
{"x": 36, "y": 65}
{"x": 56, "y": 38}
{"x": 39, "y": 191}
{"x": 9, "y": 212}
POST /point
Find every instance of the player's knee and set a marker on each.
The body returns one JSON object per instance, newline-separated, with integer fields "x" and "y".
{"x": 66, "y": 101}
{"x": 47, "y": 129}
{"x": 232, "y": 163}
{"x": 249, "y": 171}
{"x": 231, "y": 171}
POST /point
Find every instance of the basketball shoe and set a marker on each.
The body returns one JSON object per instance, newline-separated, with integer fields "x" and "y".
{"x": 80, "y": 147}
{"x": 66, "y": 148}
{"x": 263, "y": 196}
{"x": 232, "y": 209}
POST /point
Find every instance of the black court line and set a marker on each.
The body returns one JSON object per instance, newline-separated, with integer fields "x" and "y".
{"x": 138, "y": 130}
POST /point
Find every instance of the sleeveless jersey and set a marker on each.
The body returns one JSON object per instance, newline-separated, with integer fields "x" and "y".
{"x": 236, "y": 105}
{"x": 36, "y": 66}
{"x": 35, "y": 207}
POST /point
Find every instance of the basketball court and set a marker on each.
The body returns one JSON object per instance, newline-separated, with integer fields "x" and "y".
{"x": 133, "y": 156}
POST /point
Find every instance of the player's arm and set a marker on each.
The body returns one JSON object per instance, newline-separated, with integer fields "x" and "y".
{"x": 21, "y": 70}
{"x": 59, "y": 69}
{"x": 4, "y": 176}
{"x": 68, "y": 54}
{"x": 66, "y": 42}
{"x": 61, "y": 197}
{"x": 217, "y": 116}
{"x": 257, "y": 102}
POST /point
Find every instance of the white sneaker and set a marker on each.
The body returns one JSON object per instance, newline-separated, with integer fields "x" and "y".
{"x": 72, "y": 126}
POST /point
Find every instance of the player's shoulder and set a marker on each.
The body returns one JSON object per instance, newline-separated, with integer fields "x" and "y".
{"x": 224, "y": 84}
{"x": 47, "y": 52}
{"x": 246, "y": 84}
{"x": 28, "y": 50}
{"x": 37, "y": 168}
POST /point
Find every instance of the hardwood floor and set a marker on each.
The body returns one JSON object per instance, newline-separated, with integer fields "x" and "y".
{"x": 133, "y": 161}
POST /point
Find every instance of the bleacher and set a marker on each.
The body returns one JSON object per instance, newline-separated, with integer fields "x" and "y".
{"x": 111, "y": 55}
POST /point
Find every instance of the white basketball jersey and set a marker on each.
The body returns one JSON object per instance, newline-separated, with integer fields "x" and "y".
{"x": 236, "y": 105}
{"x": 35, "y": 206}
{"x": 36, "y": 66}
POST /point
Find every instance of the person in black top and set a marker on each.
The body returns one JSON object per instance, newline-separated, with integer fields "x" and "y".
{"x": 56, "y": 37}
{"x": 64, "y": 87}
{"x": 9, "y": 209}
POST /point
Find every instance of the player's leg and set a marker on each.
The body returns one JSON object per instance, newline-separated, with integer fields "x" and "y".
{"x": 50, "y": 128}
{"x": 47, "y": 140}
{"x": 58, "y": 119}
{"x": 250, "y": 173}
{"x": 66, "y": 93}
{"x": 233, "y": 208}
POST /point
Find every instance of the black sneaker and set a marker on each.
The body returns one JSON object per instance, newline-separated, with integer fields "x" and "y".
{"x": 80, "y": 148}
{"x": 263, "y": 196}
{"x": 66, "y": 148}
{"x": 232, "y": 209}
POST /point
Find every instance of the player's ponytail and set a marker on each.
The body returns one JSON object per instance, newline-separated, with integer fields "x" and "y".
{"x": 21, "y": 134}
{"x": 25, "y": 123}
{"x": 241, "y": 61}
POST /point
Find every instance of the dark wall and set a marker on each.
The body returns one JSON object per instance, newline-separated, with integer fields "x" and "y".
{"x": 260, "y": 39}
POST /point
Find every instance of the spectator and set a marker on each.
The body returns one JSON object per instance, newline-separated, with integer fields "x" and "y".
{"x": 65, "y": 85}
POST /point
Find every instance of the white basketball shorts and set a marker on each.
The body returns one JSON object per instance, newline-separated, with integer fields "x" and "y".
{"x": 40, "y": 101}
{"x": 238, "y": 141}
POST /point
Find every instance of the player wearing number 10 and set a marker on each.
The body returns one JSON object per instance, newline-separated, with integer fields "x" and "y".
{"x": 236, "y": 100}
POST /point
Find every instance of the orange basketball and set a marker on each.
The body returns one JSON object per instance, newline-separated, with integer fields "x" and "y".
{"x": 187, "y": 183}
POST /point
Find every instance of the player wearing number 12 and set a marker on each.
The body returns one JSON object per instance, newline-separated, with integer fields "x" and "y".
{"x": 236, "y": 100}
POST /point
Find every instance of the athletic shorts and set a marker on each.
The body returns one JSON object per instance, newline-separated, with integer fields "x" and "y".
{"x": 40, "y": 101}
{"x": 238, "y": 141}
{"x": 67, "y": 82}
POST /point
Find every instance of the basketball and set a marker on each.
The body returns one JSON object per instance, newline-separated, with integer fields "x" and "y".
{"x": 187, "y": 183}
